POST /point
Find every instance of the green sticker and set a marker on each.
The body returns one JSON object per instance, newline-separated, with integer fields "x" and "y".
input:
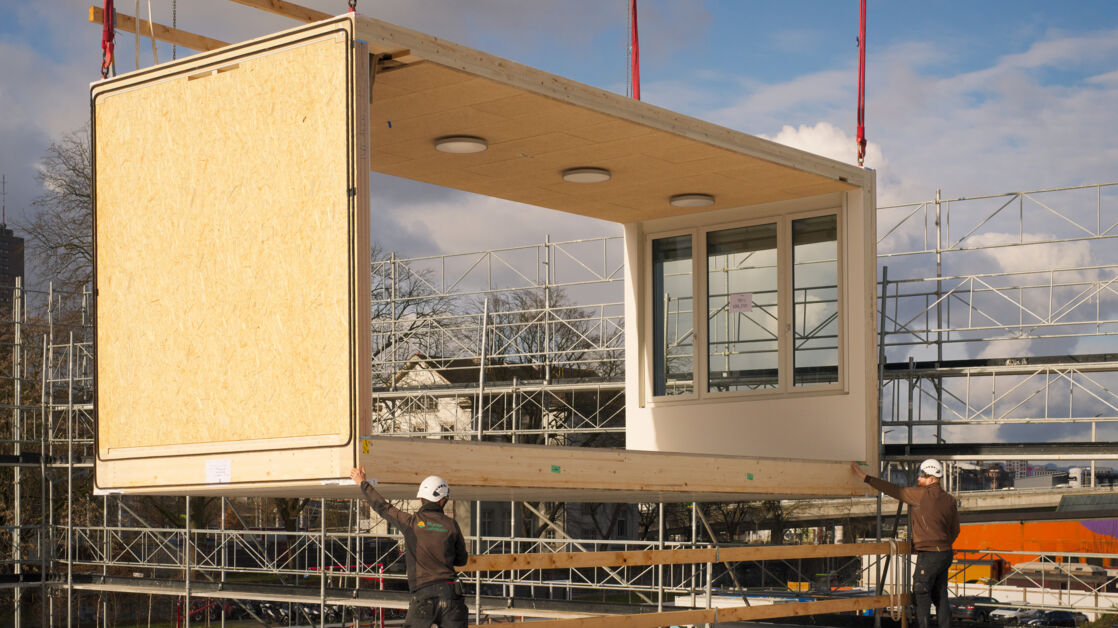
{"x": 555, "y": 468}
{"x": 749, "y": 476}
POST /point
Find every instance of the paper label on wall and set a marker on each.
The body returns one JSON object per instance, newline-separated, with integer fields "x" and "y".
{"x": 219, "y": 471}
{"x": 741, "y": 302}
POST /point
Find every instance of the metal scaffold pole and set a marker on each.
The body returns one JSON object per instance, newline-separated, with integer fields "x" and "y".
{"x": 1073, "y": 303}
{"x": 17, "y": 448}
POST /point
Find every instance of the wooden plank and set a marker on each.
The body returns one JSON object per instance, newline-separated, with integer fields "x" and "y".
{"x": 305, "y": 14}
{"x": 286, "y": 9}
{"x": 565, "y": 560}
{"x": 128, "y": 24}
{"x": 737, "y": 613}
{"x": 503, "y": 471}
{"x": 507, "y": 472}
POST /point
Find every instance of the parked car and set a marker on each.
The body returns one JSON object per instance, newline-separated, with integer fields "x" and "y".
{"x": 1015, "y": 614}
{"x": 1057, "y": 618}
{"x": 972, "y": 607}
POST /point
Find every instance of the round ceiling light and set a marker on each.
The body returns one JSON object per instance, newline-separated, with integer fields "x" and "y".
{"x": 692, "y": 200}
{"x": 460, "y": 144}
{"x": 586, "y": 175}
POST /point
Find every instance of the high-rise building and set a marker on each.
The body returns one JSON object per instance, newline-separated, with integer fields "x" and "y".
{"x": 11, "y": 249}
{"x": 11, "y": 262}
{"x": 1017, "y": 468}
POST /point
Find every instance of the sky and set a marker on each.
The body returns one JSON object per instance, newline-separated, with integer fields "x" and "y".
{"x": 970, "y": 98}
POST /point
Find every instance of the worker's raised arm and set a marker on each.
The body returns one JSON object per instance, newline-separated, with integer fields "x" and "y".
{"x": 907, "y": 495}
{"x": 391, "y": 513}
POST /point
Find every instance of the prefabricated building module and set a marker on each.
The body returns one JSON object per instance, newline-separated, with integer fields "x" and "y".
{"x": 232, "y": 240}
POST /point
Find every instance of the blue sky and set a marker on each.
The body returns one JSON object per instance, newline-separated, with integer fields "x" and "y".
{"x": 968, "y": 97}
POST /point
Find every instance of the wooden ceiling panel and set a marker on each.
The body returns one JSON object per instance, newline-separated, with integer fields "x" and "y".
{"x": 417, "y": 77}
{"x": 546, "y": 160}
{"x": 533, "y": 138}
{"x": 611, "y": 129}
{"x": 460, "y": 121}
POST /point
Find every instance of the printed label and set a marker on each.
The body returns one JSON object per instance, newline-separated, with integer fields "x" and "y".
{"x": 741, "y": 302}
{"x": 219, "y": 471}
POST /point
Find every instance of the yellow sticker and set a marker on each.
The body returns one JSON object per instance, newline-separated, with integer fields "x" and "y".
{"x": 364, "y": 446}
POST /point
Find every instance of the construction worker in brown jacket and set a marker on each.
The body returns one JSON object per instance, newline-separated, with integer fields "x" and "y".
{"x": 433, "y": 546}
{"x": 934, "y": 520}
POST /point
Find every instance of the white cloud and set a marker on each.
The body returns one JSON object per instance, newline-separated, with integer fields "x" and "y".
{"x": 461, "y": 222}
{"x": 826, "y": 139}
{"x": 1028, "y": 258}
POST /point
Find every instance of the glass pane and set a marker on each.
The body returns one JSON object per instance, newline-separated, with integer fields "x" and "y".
{"x": 673, "y": 331}
{"x": 742, "y": 309}
{"x": 815, "y": 300}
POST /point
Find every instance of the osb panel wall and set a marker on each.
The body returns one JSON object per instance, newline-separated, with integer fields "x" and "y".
{"x": 223, "y": 255}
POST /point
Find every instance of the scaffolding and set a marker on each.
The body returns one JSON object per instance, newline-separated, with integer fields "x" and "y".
{"x": 525, "y": 345}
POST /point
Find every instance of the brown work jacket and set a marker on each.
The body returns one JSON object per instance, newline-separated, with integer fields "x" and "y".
{"x": 932, "y": 513}
{"x": 433, "y": 542}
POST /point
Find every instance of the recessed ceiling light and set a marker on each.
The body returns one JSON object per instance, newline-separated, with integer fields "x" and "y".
{"x": 692, "y": 200}
{"x": 586, "y": 175}
{"x": 460, "y": 144}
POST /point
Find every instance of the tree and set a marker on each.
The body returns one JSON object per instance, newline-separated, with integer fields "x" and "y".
{"x": 543, "y": 328}
{"x": 60, "y": 234}
{"x": 407, "y": 311}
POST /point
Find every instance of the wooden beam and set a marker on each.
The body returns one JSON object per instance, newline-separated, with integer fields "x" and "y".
{"x": 304, "y": 14}
{"x": 286, "y": 9}
{"x": 572, "y": 560}
{"x": 735, "y": 613}
{"x": 128, "y": 24}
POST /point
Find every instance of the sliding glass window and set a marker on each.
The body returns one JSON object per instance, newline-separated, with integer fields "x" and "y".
{"x": 815, "y": 271}
{"x": 742, "y": 309}
{"x": 673, "y": 304}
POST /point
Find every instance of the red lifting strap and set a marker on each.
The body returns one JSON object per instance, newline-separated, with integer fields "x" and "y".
{"x": 862, "y": 85}
{"x": 108, "y": 32}
{"x": 635, "y": 59}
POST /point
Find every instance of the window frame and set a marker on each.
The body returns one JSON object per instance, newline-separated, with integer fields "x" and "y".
{"x": 700, "y": 316}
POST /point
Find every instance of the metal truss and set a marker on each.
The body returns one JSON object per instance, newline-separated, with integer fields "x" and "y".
{"x": 1047, "y": 283}
{"x": 531, "y": 342}
{"x": 1047, "y": 216}
{"x": 511, "y": 412}
{"x": 554, "y": 305}
{"x": 1048, "y": 580}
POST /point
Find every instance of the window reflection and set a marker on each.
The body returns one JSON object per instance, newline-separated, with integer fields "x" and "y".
{"x": 672, "y": 316}
{"x": 742, "y": 330}
{"x": 815, "y": 300}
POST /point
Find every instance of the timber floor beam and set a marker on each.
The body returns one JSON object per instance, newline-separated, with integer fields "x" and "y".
{"x": 161, "y": 32}
{"x": 286, "y": 9}
{"x": 571, "y": 560}
{"x": 736, "y": 613}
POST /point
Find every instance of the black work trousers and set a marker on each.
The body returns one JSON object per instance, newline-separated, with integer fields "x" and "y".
{"x": 929, "y": 586}
{"x": 436, "y": 604}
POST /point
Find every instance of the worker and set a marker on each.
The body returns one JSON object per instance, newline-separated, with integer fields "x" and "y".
{"x": 433, "y": 546}
{"x": 934, "y": 520}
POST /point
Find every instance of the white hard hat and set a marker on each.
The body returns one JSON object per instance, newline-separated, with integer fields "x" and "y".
{"x": 433, "y": 489}
{"x": 932, "y": 467}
